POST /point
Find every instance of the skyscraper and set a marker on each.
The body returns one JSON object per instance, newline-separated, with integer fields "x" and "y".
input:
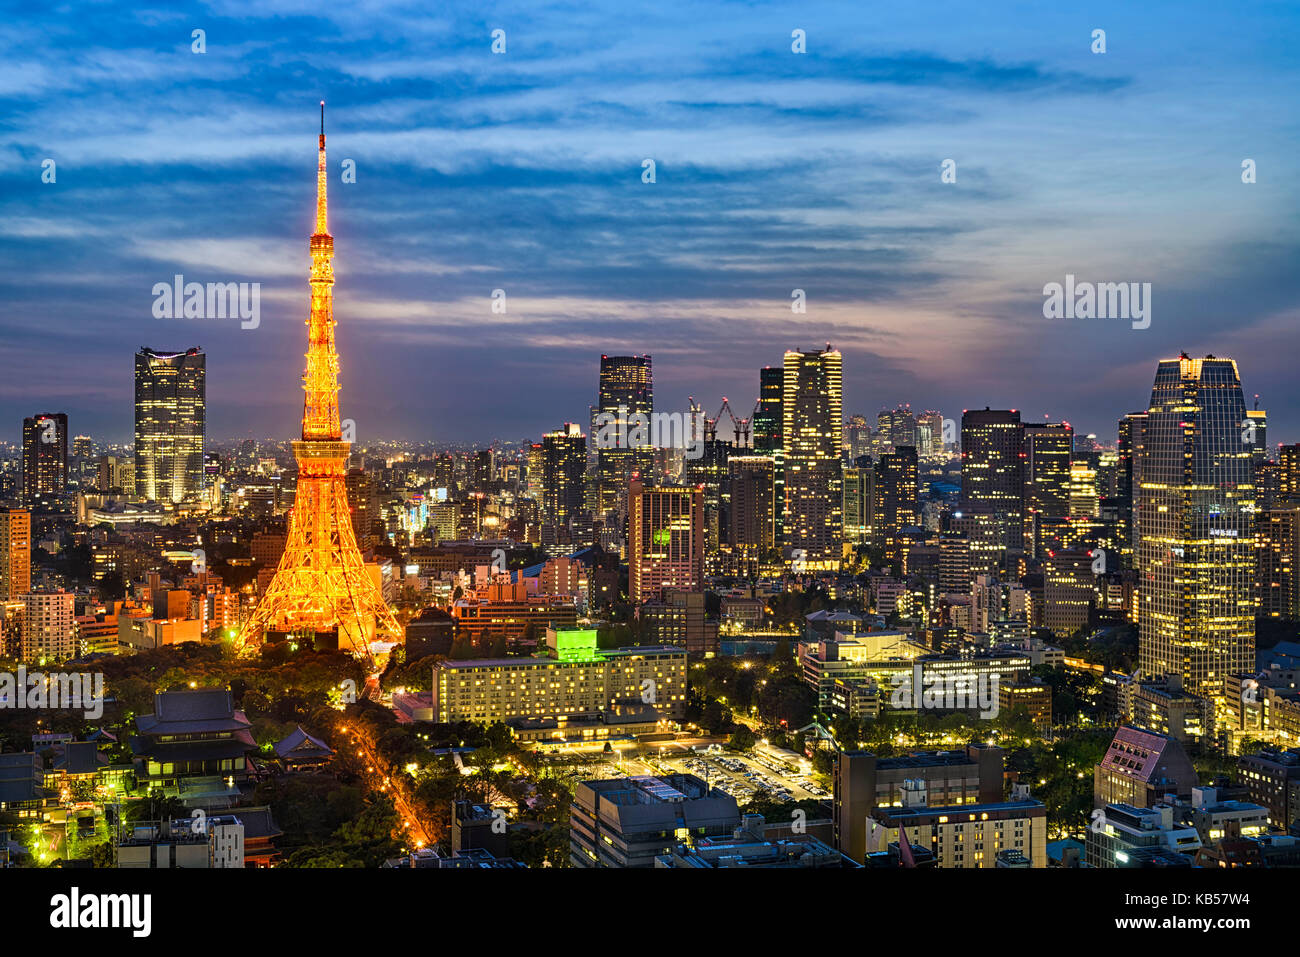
{"x": 564, "y": 467}
{"x": 859, "y": 485}
{"x": 170, "y": 419}
{"x": 626, "y": 390}
{"x": 768, "y": 422}
{"x": 993, "y": 475}
{"x": 1048, "y": 447}
{"x": 49, "y": 626}
{"x": 45, "y": 457}
{"x": 751, "y": 526}
{"x": 1196, "y": 531}
{"x": 812, "y": 425}
{"x": 15, "y": 553}
{"x": 1129, "y": 447}
{"x": 930, "y": 437}
{"x": 1288, "y": 458}
{"x": 894, "y": 507}
{"x": 665, "y": 539}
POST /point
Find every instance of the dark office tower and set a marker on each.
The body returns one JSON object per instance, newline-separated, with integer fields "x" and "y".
{"x": 894, "y": 506}
{"x": 1130, "y": 444}
{"x": 767, "y": 425}
{"x": 857, "y": 437}
{"x": 1196, "y": 532}
{"x": 751, "y": 526}
{"x": 45, "y": 457}
{"x": 708, "y": 472}
{"x": 626, "y": 389}
{"x": 170, "y": 417}
{"x": 812, "y": 423}
{"x": 483, "y": 470}
{"x": 564, "y": 466}
{"x": 859, "y": 482}
{"x": 1288, "y": 460}
{"x": 993, "y": 476}
{"x": 1047, "y": 478}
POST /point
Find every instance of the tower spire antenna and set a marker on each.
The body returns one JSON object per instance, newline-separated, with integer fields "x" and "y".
{"x": 322, "y": 218}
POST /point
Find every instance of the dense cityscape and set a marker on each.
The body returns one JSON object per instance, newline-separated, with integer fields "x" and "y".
{"x": 801, "y": 640}
{"x": 629, "y": 624}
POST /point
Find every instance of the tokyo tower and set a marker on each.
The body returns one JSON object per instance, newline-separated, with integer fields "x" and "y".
{"x": 322, "y": 585}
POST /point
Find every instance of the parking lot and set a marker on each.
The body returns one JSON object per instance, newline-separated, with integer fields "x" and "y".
{"x": 743, "y": 776}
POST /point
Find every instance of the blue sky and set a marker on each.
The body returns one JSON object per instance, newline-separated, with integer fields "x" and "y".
{"x": 522, "y": 171}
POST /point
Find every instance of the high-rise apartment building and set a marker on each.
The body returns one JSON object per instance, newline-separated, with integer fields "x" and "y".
{"x": 15, "y": 553}
{"x": 626, "y": 390}
{"x": 665, "y": 539}
{"x": 1288, "y": 459}
{"x": 49, "y": 626}
{"x": 1196, "y": 529}
{"x": 564, "y": 467}
{"x": 812, "y": 416}
{"x": 170, "y": 421}
{"x": 45, "y": 457}
{"x": 1278, "y": 561}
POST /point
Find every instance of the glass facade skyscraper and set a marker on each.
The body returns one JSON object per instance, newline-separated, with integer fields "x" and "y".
{"x": 170, "y": 421}
{"x": 812, "y": 426}
{"x": 626, "y": 389}
{"x": 1196, "y": 526}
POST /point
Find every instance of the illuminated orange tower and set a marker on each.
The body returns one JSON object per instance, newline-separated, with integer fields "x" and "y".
{"x": 322, "y": 584}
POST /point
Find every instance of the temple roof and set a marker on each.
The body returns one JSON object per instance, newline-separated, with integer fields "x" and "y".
{"x": 300, "y": 744}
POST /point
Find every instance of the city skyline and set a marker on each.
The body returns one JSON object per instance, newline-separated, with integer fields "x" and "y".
{"x": 522, "y": 171}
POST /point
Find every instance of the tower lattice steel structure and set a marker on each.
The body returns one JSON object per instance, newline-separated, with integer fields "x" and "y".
{"x": 322, "y": 584}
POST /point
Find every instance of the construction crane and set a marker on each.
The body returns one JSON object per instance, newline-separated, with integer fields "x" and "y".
{"x": 740, "y": 427}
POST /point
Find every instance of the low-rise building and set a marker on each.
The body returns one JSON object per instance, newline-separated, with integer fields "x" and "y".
{"x": 629, "y": 822}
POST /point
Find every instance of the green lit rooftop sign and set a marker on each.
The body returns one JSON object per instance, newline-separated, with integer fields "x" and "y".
{"x": 575, "y": 644}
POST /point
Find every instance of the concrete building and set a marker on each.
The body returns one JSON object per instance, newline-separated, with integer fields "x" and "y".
{"x": 1122, "y": 835}
{"x": 752, "y": 844}
{"x": 864, "y": 783}
{"x": 49, "y": 626}
{"x": 1142, "y": 769}
{"x": 576, "y": 681}
{"x": 629, "y": 822}
{"x": 968, "y": 836}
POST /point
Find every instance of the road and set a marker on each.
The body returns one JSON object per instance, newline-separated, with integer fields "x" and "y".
{"x": 377, "y": 780}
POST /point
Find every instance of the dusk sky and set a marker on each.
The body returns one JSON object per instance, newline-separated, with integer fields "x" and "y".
{"x": 523, "y": 171}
